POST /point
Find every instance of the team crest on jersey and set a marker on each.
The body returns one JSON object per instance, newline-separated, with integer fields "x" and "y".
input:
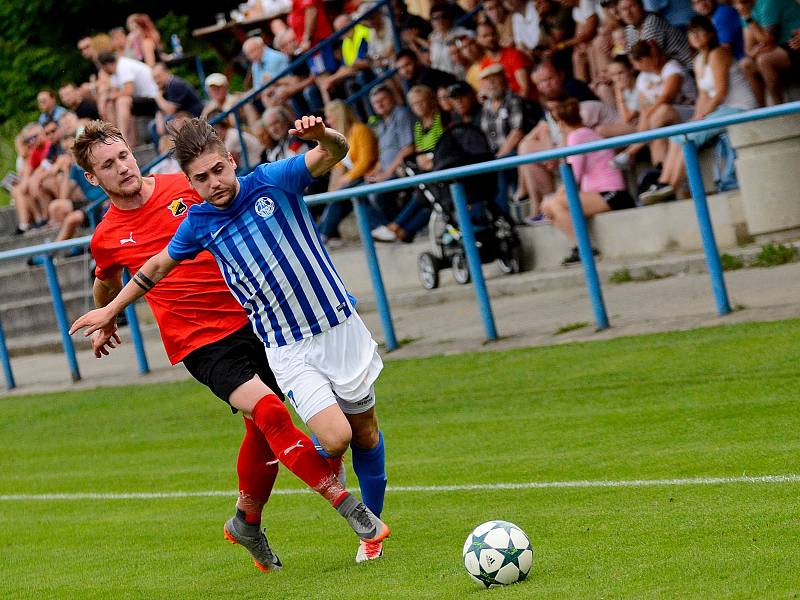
{"x": 265, "y": 206}
{"x": 178, "y": 207}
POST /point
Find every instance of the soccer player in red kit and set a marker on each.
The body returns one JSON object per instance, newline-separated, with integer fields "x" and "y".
{"x": 203, "y": 326}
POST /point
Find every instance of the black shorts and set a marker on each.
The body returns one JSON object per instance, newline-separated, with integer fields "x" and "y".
{"x": 226, "y": 364}
{"x": 144, "y": 107}
{"x": 618, "y": 200}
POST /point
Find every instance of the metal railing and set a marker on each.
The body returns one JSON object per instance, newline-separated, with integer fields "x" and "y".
{"x": 357, "y": 194}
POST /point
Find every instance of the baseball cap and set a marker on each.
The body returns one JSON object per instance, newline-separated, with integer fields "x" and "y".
{"x": 488, "y": 70}
{"x": 216, "y": 79}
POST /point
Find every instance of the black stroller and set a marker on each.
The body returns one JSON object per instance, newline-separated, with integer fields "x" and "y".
{"x": 497, "y": 240}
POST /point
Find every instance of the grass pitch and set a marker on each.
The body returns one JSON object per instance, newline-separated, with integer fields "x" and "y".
{"x": 708, "y": 403}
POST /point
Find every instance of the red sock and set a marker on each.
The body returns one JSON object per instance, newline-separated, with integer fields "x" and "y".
{"x": 295, "y": 449}
{"x": 257, "y": 468}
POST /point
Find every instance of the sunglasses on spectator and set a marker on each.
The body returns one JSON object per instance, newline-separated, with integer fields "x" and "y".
{"x": 438, "y": 17}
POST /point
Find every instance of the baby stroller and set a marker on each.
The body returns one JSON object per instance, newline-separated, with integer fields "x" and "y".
{"x": 497, "y": 240}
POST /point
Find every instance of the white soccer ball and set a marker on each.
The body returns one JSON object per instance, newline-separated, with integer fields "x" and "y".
{"x": 497, "y": 553}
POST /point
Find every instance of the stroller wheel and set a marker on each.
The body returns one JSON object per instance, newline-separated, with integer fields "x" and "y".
{"x": 460, "y": 268}
{"x": 428, "y": 270}
{"x": 511, "y": 261}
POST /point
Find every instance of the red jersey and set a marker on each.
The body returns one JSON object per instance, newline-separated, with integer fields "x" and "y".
{"x": 512, "y": 60}
{"x": 297, "y": 20}
{"x": 38, "y": 154}
{"x": 192, "y": 305}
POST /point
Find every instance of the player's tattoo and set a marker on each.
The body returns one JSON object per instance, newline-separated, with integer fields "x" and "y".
{"x": 336, "y": 144}
{"x": 143, "y": 281}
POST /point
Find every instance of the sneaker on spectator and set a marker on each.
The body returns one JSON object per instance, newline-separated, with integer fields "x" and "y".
{"x": 332, "y": 243}
{"x": 574, "y": 257}
{"x": 658, "y": 192}
{"x": 540, "y": 218}
{"x": 621, "y": 161}
{"x": 383, "y": 234}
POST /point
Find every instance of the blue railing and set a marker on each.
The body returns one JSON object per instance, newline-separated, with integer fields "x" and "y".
{"x": 382, "y": 302}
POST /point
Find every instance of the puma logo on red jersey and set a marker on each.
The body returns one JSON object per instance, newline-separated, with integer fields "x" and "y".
{"x": 128, "y": 240}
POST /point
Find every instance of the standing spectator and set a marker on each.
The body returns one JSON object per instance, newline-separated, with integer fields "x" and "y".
{"x": 265, "y": 63}
{"x": 310, "y": 25}
{"x": 641, "y": 25}
{"x": 361, "y": 158}
{"x": 175, "y": 95}
{"x": 442, "y": 23}
{"x": 74, "y": 100}
{"x": 601, "y": 186}
{"x": 133, "y": 92}
{"x": 413, "y": 72}
{"x": 233, "y": 144}
{"x": 516, "y": 65}
{"x": 144, "y": 41}
{"x": 495, "y": 13}
{"x": 51, "y": 111}
{"x": 771, "y": 35}
{"x": 723, "y": 91}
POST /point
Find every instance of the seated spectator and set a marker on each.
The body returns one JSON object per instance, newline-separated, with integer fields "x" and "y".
{"x": 277, "y": 122}
{"x": 494, "y": 12}
{"x": 233, "y": 143}
{"x": 265, "y": 63}
{"x": 676, "y": 12}
{"x": 169, "y": 164}
{"x": 221, "y": 99}
{"x": 525, "y": 25}
{"x": 119, "y": 42}
{"x": 601, "y": 186}
{"x": 144, "y": 41}
{"x": 503, "y": 114}
{"x": 354, "y": 71}
{"x": 51, "y": 111}
{"x": 381, "y": 40}
{"x": 724, "y": 90}
{"x": 298, "y": 88}
{"x": 516, "y": 65}
{"x": 472, "y": 54}
{"x": 408, "y": 21}
{"x": 603, "y": 47}
{"x": 771, "y": 43}
{"x": 586, "y": 14}
{"x": 727, "y": 23}
{"x": 466, "y": 108}
{"x": 667, "y": 94}
{"x": 647, "y": 26}
{"x": 442, "y": 18}
{"x": 454, "y": 44}
{"x": 174, "y": 95}
{"x": 429, "y": 126}
{"x": 360, "y": 160}
{"x": 73, "y": 99}
{"x": 133, "y": 93}
{"x": 412, "y": 72}
{"x": 443, "y": 100}
{"x": 626, "y": 96}
{"x": 24, "y": 194}
{"x": 557, "y": 27}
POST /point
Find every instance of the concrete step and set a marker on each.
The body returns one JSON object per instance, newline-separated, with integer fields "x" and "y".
{"x": 30, "y": 238}
{"x": 8, "y": 221}
{"x": 35, "y": 315}
{"x": 20, "y": 282}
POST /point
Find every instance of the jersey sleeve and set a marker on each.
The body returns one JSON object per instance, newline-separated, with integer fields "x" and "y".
{"x": 184, "y": 244}
{"x": 291, "y": 174}
{"x": 105, "y": 268}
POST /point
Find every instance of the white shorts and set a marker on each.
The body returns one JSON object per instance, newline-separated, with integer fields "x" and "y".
{"x": 339, "y": 365}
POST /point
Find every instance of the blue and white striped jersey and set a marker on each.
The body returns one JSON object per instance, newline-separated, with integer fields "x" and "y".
{"x": 270, "y": 254}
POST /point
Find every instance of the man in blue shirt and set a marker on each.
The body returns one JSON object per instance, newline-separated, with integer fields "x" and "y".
{"x": 726, "y": 22}
{"x": 51, "y": 110}
{"x": 269, "y": 252}
{"x": 265, "y": 63}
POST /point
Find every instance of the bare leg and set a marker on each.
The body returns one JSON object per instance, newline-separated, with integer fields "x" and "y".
{"x": 772, "y": 65}
{"x": 124, "y": 117}
{"x": 750, "y": 71}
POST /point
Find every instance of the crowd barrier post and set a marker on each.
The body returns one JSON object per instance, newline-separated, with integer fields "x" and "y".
{"x": 473, "y": 259}
{"x": 136, "y": 332}
{"x": 244, "y": 156}
{"x": 61, "y": 316}
{"x": 381, "y": 300}
{"x": 398, "y": 42}
{"x": 713, "y": 262}
{"x": 584, "y": 245}
{"x": 6, "y": 360}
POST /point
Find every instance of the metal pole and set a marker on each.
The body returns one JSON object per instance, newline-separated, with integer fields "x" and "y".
{"x": 398, "y": 43}
{"x": 706, "y": 229}
{"x": 61, "y": 316}
{"x": 136, "y": 333}
{"x": 201, "y": 75}
{"x": 245, "y": 157}
{"x": 584, "y": 245}
{"x": 473, "y": 258}
{"x": 6, "y": 360}
{"x": 381, "y": 300}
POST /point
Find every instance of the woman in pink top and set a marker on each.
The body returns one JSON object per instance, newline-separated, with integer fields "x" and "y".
{"x": 601, "y": 186}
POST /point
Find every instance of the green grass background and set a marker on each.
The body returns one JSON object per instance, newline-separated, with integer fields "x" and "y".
{"x": 712, "y": 402}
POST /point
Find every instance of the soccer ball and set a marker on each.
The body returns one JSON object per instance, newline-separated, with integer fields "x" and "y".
{"x": 497, "y": 553}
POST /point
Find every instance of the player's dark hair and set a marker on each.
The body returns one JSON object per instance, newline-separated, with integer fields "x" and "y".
{"x": 195, "y": 137}
{"x": 94, "y": 132}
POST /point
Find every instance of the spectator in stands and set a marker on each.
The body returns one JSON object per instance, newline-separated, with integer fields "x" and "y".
{"x": 169, "y": 164}
{"x": 144, "y": 41}
{"x": 667, "y": 94}
{"x": 407, "y": 21}
{"x": 466, "y": 108}
{"x": 381, "y": 40}
{"x": 355, "y": 70}
{"x": 119, "y": 41}
{"x": 233, "y": 143}
{"x": 429, "y": 126}
{"x": 601, "y": 186}
{"x": 724, "y": 90}
{"x": 676, "y": 12}
{"x": 473, "y": 53}
{"x": 278, "y": 121}
{"x": 771, "y": 43}
{"x": 586, "y": 14}
{"x": 24, "y": 193}
{"x": 516, "y": 65}
{"x": 74, "y": 100}
{"x": 310, "y": 24}
{"x": 220, "y": 99}
{"x": 361, "y": 159}
{"x": 442, "y": 22}
{"x": 525, "y": 25}
{"x": 51, "y": 111}
{"x": 412, "y": 72}
{"x": 297, "y": 88}
{"x": 603, "y": 47}
{"x": 174, "y": 95}
{"x": 557, "y": 27}
{"x": 133, "y": 92}
{"x": 727, "y": 23}
{"x": 503, "y": 115}
{"x": 265, "y": 63}
{"x": 494, "y": 11}
{"x": 626, "y": 96}
{"x": 641, "y": 25}
{"x": 552, "y": 83}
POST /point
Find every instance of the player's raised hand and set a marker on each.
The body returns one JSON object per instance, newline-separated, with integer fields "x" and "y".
{"x": 103, "y": 341}
{"x": 308, "y": 127}
{"x": 99, "y": 318}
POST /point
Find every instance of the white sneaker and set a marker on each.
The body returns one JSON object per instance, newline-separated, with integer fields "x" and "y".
{"x": 383, "y": 234}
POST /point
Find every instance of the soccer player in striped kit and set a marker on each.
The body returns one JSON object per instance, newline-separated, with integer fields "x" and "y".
{"x": 266, "y": 244}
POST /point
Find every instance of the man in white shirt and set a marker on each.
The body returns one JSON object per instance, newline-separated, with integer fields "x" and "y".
{"x": 133, "y": 92}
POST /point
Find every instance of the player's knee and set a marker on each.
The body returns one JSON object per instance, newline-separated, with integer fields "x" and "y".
{"x": 335, "y": 442}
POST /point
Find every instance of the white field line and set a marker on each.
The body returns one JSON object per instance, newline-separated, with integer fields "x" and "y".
{"x": 468, "y": 487}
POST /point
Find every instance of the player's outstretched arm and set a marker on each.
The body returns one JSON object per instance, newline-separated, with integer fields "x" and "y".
{"x": 332, "y": 146}
{"x": 153, "y": 271}
{"x": 104, "y": 291}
